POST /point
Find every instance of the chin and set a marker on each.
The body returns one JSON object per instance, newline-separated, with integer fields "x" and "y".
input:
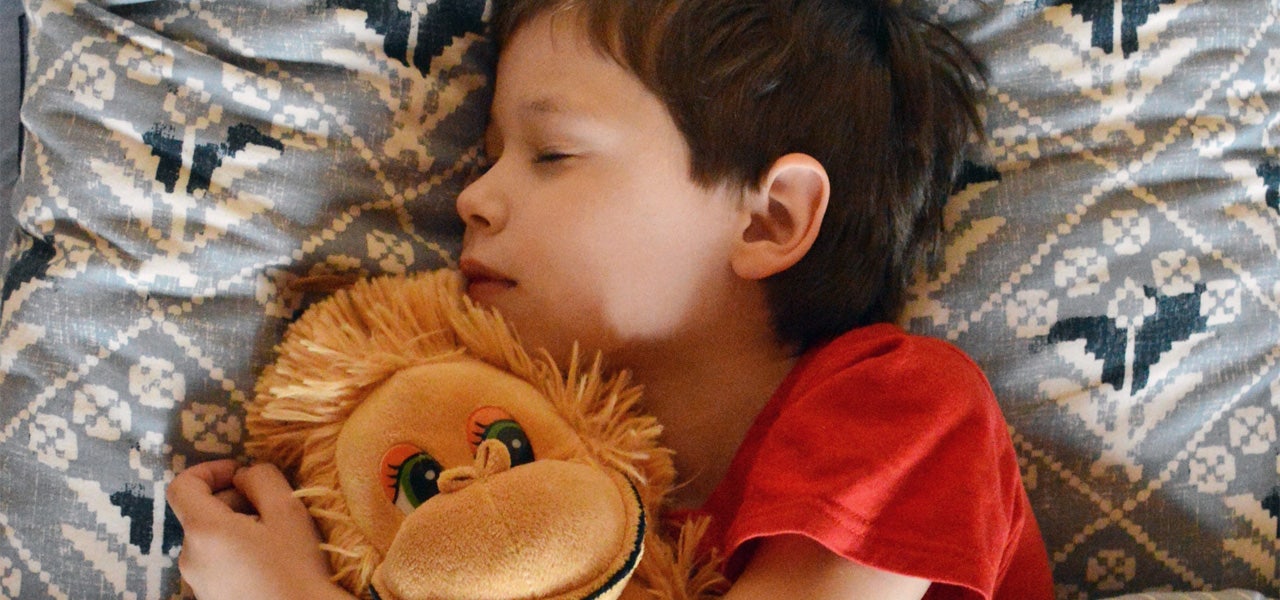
{"x": 561, "y": 348}
{"x": 557, "y": 329}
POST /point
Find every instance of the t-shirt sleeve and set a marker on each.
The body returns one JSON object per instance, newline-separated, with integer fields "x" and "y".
{"x": 899, "y": 460}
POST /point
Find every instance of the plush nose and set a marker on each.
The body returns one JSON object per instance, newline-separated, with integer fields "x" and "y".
{"x": 492, "y": 458}
{"x": 549, "y": 529}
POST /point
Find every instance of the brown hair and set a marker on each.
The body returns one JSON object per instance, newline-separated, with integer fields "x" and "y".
{"x": 885, "y": 100}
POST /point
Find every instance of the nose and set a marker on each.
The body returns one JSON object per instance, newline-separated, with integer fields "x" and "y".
{"x": 492, "y": 458}
{"x": 482, "y": 206}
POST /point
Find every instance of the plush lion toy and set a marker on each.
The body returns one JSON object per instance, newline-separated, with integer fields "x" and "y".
{"x": 443, "y": 461}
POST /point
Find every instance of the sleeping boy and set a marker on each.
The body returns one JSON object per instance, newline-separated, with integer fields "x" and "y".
{"x": 728, "y": 197}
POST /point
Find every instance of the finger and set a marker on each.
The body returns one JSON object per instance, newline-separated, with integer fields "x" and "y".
{"x": 236, "y": 501}
{"x": 216, "y": 474}
{"x": 270, "y": 494}
{"x": 190, "y": 494}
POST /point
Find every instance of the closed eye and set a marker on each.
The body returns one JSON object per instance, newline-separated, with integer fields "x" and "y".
{"x": 551, "y": 157}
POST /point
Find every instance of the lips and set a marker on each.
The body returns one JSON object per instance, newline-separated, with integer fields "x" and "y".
{"x": 483, "y": 281}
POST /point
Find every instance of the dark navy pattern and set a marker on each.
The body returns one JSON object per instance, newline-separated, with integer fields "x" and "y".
{"x": 1175, "y": 319}
{"x": 205, "y": 159}
{"x": 437, "y": 29}
{"x": 1270, "y": 173}
{"x": 31, "y": 265}
{"x": 1101, "y": 15}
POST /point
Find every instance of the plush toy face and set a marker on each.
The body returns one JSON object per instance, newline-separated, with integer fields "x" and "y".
{"x": 443, "y": 461}
{"x": 470, "y": 484}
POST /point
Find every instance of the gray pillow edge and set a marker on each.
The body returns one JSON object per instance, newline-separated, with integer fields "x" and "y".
{"x": 11, "y": 46}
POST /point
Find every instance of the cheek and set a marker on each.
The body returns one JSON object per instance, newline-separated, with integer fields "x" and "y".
{"x": 652, "y": 278}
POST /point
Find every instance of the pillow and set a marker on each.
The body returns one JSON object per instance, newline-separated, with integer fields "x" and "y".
{"x": 10, "y": 98}
{"x": 1111, "y": 262}
{"x": 1221, "y": 595}
{"x": 184, "y": 162}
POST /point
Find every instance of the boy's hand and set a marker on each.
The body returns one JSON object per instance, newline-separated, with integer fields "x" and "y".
{"x": 246, "y": 536}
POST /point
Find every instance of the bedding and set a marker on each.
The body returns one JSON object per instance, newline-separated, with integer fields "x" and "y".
{"x": 1112, "y": 263}
{"x": 10, "y": 98}
{"x": 183, "y": 163}
{"x": 1221, "y": 595}
{"x": 1110, "y": 260}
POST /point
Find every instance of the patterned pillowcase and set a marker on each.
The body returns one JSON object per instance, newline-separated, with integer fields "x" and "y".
{"x": 10, "y": 97}
{"x": 184, "y": 162}
{"x": 1221, "y": 595}
{"x": 1113, "y": 266}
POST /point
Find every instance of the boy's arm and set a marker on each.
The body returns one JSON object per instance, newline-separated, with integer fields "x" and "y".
{"x": 798, "y": 568}
{"x": 271, "y": 553}
{"x": 274, "y": 554}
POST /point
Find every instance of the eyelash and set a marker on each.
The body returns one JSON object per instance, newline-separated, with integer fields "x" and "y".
{"x": 551, "y": 157}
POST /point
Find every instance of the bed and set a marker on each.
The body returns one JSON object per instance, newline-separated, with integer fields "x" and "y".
{"x": 1112, "y": 258}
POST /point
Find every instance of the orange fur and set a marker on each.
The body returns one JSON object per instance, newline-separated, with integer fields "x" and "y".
{"x": 348, "y": 344}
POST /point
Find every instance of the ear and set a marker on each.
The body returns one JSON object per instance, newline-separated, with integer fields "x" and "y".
{"x": 782, "y": 220}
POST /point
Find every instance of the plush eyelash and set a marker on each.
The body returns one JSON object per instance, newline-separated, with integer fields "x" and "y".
{"x": 478, "y": 431}
{"x": 393, "y": 477}
{"x": 393, "y": 464}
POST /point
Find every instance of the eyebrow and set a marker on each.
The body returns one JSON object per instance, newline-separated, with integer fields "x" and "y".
{"x": 544, "y": 105}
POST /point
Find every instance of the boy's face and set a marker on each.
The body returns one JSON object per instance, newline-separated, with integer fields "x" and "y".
{"x": 588, "y": 226}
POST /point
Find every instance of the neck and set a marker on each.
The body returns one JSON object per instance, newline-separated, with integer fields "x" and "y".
{"x": 706, "y": 395}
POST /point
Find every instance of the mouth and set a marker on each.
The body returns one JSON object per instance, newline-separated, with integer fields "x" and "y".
{"x": 483, "y": 282}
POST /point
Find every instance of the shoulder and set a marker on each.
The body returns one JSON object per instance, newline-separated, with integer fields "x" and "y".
{"x": 890, "y": 402}
{"x": 890, "y": 450}
{"x": 879, "y": 400}
{"x": 886, "y": 346}
{"x": 882, "y": 364}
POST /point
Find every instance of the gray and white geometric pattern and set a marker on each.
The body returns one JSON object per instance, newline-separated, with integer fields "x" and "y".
{"x": 184, "y": 162}
{"x": 1113, "y": 265}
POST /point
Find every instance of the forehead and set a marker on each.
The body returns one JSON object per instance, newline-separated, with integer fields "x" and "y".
{"x": 550, "y": 67}
{"x": 603, "y": 21}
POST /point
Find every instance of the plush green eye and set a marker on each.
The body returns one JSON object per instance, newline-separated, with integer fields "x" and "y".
{"x": 512, "y": 436}
{"x": 410, "y": 476}
{"x": 493, "y": 423}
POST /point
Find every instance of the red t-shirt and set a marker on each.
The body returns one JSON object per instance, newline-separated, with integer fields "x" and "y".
{"x": 889, "y": 450}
